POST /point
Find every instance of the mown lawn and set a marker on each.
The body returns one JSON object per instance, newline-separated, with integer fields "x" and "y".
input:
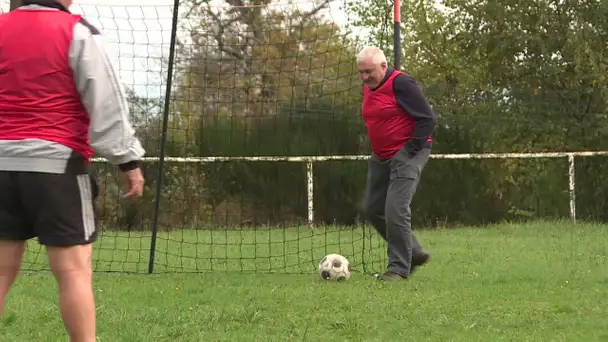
{"x": 532, "y": 282}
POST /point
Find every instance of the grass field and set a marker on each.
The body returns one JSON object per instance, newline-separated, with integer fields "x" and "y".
{"x": 532, "y": 282}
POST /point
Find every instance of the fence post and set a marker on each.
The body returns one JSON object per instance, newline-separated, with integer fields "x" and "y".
{"x": 571, "y": 187}
{"x": 163, "y": 140}
{"x": 310, "y": 187}
{"x": 397, "y": 33}
{"x": 15, "y": 4}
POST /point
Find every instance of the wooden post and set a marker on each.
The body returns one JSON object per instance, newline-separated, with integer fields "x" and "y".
{"x": 15, "y": 4}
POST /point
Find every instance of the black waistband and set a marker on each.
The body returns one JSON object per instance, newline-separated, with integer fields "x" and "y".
{"x": 45, "y": 3}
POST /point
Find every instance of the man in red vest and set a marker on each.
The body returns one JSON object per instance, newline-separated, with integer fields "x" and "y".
{"x": 399, "y": 123}
{"x": 60, "y": 101}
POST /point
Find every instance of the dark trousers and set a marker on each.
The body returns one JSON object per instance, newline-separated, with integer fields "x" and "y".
{"x": 390, "y": 187}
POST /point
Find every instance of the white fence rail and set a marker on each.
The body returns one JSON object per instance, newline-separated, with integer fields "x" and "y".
{"x": 310, "y": 160}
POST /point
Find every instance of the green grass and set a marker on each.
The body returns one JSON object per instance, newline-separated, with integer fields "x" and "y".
{"x": 533, "y": 282}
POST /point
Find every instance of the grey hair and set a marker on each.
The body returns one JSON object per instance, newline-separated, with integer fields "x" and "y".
{"x": 376, "y": 55}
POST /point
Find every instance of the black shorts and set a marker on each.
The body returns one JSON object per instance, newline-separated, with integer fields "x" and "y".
{"x": 56, "y": 208}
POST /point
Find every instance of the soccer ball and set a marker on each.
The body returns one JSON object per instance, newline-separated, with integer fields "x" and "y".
{"x": 334, "y": 267}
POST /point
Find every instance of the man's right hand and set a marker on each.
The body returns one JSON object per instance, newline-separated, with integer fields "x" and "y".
{"x": 133, "y": 181}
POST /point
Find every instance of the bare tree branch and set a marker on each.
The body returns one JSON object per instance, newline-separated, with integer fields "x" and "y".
{"x": 219, "y": 34}
{"x": 315, "y": 10}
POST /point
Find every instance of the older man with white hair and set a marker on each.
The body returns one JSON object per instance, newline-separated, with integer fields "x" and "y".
{"x": 400, "y": 124}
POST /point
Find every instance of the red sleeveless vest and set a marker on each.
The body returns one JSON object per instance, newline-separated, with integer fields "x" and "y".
{"x": 389, "y": 127}
{"x": 38, "y": 95}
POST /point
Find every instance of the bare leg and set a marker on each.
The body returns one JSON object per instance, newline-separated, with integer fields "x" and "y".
{"x": 72, "y": 268}
{"x": 11, "y": 254}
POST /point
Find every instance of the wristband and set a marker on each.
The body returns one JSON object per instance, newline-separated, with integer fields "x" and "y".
{"x": 128, "y": 166}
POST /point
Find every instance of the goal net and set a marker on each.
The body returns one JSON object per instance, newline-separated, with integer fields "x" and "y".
{"x": 254, "y": 87}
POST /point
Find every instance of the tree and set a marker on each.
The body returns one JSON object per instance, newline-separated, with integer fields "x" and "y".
{"x": 505, "y": 76}
{"x": 502, "y": 76}
{"x": 245, "y": 60}
{"x": 261, "y": 79}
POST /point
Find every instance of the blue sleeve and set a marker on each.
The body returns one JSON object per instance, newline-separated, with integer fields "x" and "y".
{"x": 409, "y": 97}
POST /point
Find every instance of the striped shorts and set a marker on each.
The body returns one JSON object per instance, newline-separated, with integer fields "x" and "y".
{"x": 55, "y": 208}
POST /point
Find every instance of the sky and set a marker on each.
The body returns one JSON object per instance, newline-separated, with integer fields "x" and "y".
{"x": 138, "y": 34}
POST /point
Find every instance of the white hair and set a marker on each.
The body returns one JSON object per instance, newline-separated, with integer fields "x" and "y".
{"x": 376, "y": 55}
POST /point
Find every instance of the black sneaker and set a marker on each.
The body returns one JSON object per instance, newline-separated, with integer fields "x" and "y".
{"x": 419, "y": 259}
{"x": 391, "y": 276}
